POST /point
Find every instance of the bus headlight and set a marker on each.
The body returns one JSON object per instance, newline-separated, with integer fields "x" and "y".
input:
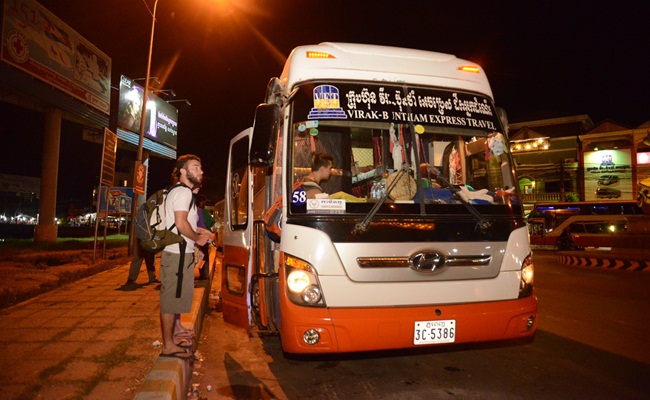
{"x": 311, "y": 294}
{"x": 303, "y": 287}
{"x": 297, "y": 281}
{"x": 527, "y": 277}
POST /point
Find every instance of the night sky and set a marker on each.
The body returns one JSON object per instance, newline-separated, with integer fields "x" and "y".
{"x": 550, "y": 59}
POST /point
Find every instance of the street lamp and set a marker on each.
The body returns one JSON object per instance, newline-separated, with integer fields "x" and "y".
{"x": 146, "y": 85}
{"x": 186, "y": 101}
{"x": 167, "y": 93}
{"x": 134, "y": 207}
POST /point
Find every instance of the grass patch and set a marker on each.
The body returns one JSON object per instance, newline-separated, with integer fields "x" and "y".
{"x": 28, "y": 269}
{"x": 14, "y": 246}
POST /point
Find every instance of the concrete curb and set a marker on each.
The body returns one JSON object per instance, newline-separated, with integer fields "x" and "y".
{"x": 613, "y": 261}
{"x": 169, "y": 378}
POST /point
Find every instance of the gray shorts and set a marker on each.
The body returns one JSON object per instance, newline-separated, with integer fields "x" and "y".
{"x": 169, "y": 303}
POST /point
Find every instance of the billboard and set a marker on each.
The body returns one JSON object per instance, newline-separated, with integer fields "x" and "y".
{"x": 37, "y": 42}
{"x": 608, "y": 175}
{"x": 117, "y": 199}
{"x": 20, "y": 184}
{"x": 161, "y": 121}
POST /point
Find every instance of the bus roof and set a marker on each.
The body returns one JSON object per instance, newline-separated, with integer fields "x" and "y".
{"x": 364, "y": 62}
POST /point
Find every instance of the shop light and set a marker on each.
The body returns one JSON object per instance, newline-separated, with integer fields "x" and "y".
{"x": 530, "y": 145}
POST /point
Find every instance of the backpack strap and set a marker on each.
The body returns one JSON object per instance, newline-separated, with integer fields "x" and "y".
{"x": 192, "y": 202}
{"x": 179, "y": 274}
{"x": 179, "y": 184}
{"x": 169, "y": 189}
{"x": 182, "y": 245}
{"x": 311, "y": 185}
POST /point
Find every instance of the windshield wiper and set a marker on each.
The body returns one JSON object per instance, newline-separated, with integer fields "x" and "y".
{"x": 482, "y": 224}
{"x": 363, "y": 226}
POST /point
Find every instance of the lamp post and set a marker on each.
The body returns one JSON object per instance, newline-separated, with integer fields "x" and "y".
{"x": 143, "y": 114}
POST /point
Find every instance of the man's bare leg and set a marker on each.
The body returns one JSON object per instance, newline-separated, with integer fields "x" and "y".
{"x": 167, "y": 322}
{"x": 181, "y": 331}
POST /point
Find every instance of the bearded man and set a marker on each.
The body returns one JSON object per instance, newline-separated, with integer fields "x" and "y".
{"x": 177, "y": 260}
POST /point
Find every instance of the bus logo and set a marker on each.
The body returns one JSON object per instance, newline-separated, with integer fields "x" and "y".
{"x": 427, "y": 262}
{"x": 327, "y": 103}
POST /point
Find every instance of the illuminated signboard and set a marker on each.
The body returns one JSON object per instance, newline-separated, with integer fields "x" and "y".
{"x": 163, "y": 128}
{"x": 608, "y": 175}
{"x": 391, "y": 103}
{"x": 643, "y": 157}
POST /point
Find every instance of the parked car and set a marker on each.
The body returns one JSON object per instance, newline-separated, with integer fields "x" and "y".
{"x": 607, "y": 193}
{"x": 595, "y": 233}
{"x": 643, "y": 196}
{"x": 562, "y": 235}
{"x": 607, "y": 180}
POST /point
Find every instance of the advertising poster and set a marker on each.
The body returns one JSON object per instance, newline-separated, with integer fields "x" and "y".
{"x": 161, "y": 121}
{"x": 118, "y": 200}
{"x": 608, "y": 175}
{"x": 37, "y": 42}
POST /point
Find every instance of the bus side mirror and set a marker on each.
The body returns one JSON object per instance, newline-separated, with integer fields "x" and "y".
{"x": 265, "y": 126}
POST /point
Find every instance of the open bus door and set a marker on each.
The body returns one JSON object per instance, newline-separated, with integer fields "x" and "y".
{"x": 262, "y": 155}
{"x": 248, "y": 281}
{"x": 237, "y": 234}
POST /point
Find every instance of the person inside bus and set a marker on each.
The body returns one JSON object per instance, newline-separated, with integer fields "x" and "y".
{"x": 321, "y": 170}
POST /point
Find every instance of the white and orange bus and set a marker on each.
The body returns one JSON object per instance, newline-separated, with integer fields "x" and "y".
{"x": 421, "y": 239}
{"x": 546, "y": 221}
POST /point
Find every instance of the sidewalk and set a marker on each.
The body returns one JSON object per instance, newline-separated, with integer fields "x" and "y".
{"x": 85, "y": 340}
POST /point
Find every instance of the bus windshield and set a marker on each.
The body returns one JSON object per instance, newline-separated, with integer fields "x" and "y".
{"x": 426, "y": 156}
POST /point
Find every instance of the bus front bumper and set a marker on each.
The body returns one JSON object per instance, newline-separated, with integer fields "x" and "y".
{"x": 342, "y": 330}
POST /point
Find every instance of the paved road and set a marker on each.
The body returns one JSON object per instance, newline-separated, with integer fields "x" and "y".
{"x": 591, "y": 343}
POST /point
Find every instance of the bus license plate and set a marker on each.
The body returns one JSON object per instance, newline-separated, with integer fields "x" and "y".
{"x": 431, "y": 332}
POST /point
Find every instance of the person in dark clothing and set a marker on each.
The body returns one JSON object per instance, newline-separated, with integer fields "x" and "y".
{"x": 205, "y": 221}
{"x": 139, "y": 255}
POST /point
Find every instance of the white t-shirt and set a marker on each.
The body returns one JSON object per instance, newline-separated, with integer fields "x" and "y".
{"x": 179, "y": 199}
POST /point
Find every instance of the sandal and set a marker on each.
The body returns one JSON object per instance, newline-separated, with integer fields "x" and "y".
{"x": 184, "y": 355}
{"x": 184, "y": 343}
{"x": 185, "y": 333}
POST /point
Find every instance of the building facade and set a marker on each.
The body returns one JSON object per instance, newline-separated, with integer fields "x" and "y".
{"x": 571, "y": 159}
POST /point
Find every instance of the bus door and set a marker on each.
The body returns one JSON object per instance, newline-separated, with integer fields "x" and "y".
{"x": 537, "y": 226}
{"x": 537, "y": 229}
{"x": 237, "y": 234}
{"x": 264, "y": 277}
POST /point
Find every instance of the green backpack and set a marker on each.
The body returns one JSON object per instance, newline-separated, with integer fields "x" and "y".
{"x": 149, "y": 222}
{"x": 153, "y": 234}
